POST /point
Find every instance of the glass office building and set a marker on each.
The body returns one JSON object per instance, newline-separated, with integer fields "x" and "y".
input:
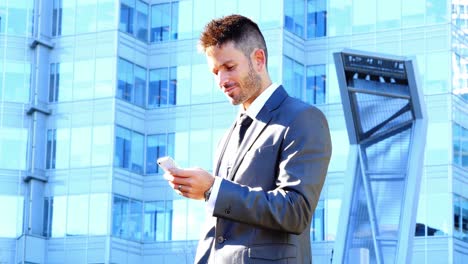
{"x": 93, "y": 91}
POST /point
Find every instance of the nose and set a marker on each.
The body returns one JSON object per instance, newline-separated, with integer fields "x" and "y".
{"x": 223, "y": 78}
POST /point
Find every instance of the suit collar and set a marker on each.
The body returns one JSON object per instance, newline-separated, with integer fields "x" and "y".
{"x": 258, "y": 126}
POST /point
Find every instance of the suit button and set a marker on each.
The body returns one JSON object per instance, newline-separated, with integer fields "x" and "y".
{"x": 220, "y": 239}
{"x": 227, "y": 211}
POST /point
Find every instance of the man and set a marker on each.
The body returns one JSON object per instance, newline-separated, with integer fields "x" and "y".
{"x": 265, "y": 189}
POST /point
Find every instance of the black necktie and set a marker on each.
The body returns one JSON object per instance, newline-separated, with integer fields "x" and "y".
{"x": 243, "y": 122}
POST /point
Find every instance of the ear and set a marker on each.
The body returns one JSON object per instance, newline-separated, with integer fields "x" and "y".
{"x": 259, "y": 59}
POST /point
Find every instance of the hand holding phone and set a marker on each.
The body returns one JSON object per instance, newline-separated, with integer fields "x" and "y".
{"x": 167, "y": 163}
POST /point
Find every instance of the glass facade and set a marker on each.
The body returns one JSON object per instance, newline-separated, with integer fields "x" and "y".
{"x": 93, "y": 92}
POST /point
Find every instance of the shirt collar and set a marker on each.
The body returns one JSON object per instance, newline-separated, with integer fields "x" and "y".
{"x": 259, "y": 102}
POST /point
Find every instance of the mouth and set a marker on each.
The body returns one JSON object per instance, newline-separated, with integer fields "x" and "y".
{"x": 229, "y": 89}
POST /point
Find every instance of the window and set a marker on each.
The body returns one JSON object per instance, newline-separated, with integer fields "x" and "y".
{"x": 127, "y": 9}
{"x": 63, "y": 18}
{"x": 16, "y": 82}
{"x": 91, "y": 146}
{"x": 460, "y": 145}
{"x": 315, "y": 84}
{"x": 128, "y": 150}
{"x": 131, "y": 85}
{"x": 162, "y": 87}
{"x": 134, "y": 19}
{"x": 306, "y": 18}
{"x": 61, "y": 82}
{"x": 316, "y": 18}
{"x": 314, "y": 77}
{"x": 141, "y": 24}
{"x": 54, "y": 77}
{"x": 293, "y": 79}
{"x": 157, "y": 219}
{"x": 13, "y": 148}
{"x": 61, "y": 217}
{"x": 460, "y": 217}
{"x": 16, "y": 17}
{"x": 164, "y": 22}
{"x": 317, "y": 232}
{"x": 159, "y": 145}
{"x": 127, "y": 218}
{"x": 11, "y": 222}
{"x": 86, "y": 16}
{"x": 51, "y": 150}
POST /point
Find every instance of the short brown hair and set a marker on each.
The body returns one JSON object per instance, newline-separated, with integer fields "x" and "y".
{"x": 241, "y": 31}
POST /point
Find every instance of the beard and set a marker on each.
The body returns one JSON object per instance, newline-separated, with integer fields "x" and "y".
{"x": 250, "y": 85}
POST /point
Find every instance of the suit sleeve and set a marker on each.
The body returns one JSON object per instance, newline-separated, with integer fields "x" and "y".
{"x": 302, "y": 161}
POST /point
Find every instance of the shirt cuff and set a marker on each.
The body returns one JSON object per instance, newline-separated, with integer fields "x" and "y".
{"x": 214, "y": 194}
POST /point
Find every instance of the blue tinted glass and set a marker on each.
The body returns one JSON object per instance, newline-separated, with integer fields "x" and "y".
{"x": 3, "y": 12}
{"x": 13, "y": 148}
{"x": 122, "y": 147}
{"x": 160, "y": 22}
{"x": 81, "y": 146}
{"x": 11, "y": 222}
{"x": 62, "y": 148}
{"x": 86, "y": 16}
{"x": 51, "y": 149}
{"x": 317, "y": 231}
{"x": 157, "y": 221}
{"x": 413, "y": 12}
{"x": 16, "y": 82}
{"x": 316, "y": 18}
{"x": 17, "y": 20}
{"x": 172, "y": 93}
{"x": 270, "y": 15}
{"x": 157, "y": 90}
{"x": 64, "y": 81}
{"x": 101, "y": 146}
{"x": 67, "y": 18}
{"x": 436, "y": 11}
{"x": 142, "y": 21}
{"x": 339, "y": 18}
{"x": 388, "y": 14}
{"x": 58, "y": 217}
{"x": 105, "y": 15}
{"x": 137, "y": 152}
{"x": 126, "y": 18}
{"x": 104, "y": 77}
{"x": 315, "y": 84}
{"x": 159, "y": 145}
{"x": 140, "y": 86}
{"x": 83, "y": 81}
{"x": 175, "y": 20}
{"x": 77, "y": 219}
{"x": 364, "y": 16}
{"x": 53, "y": 83}
{"x": 294, "y": 16}
{"x": 98, "y": 216}
{"x": 135, "y": 220}
{"x": 125, "y": 80}
{"x": 119, "y": 217}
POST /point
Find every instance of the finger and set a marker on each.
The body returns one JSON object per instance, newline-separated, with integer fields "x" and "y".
{"x": 168, "y": 176}
{"x": 181, "y": 172}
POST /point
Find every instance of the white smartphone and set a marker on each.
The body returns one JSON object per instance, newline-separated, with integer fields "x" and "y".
{"x": 167, "y": 163}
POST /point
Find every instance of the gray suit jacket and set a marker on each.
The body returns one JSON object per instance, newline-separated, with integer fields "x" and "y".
{"x": 264, "y": 206}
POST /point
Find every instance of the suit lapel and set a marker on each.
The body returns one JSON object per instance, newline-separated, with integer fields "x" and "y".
{"x": 222, "y": 149}
{"x": 258, "y": 126}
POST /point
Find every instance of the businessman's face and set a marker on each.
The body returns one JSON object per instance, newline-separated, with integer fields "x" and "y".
{"x": 235, "y": 73}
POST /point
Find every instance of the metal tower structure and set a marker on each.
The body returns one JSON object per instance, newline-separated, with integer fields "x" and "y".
{"x": 386, "y": 122}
